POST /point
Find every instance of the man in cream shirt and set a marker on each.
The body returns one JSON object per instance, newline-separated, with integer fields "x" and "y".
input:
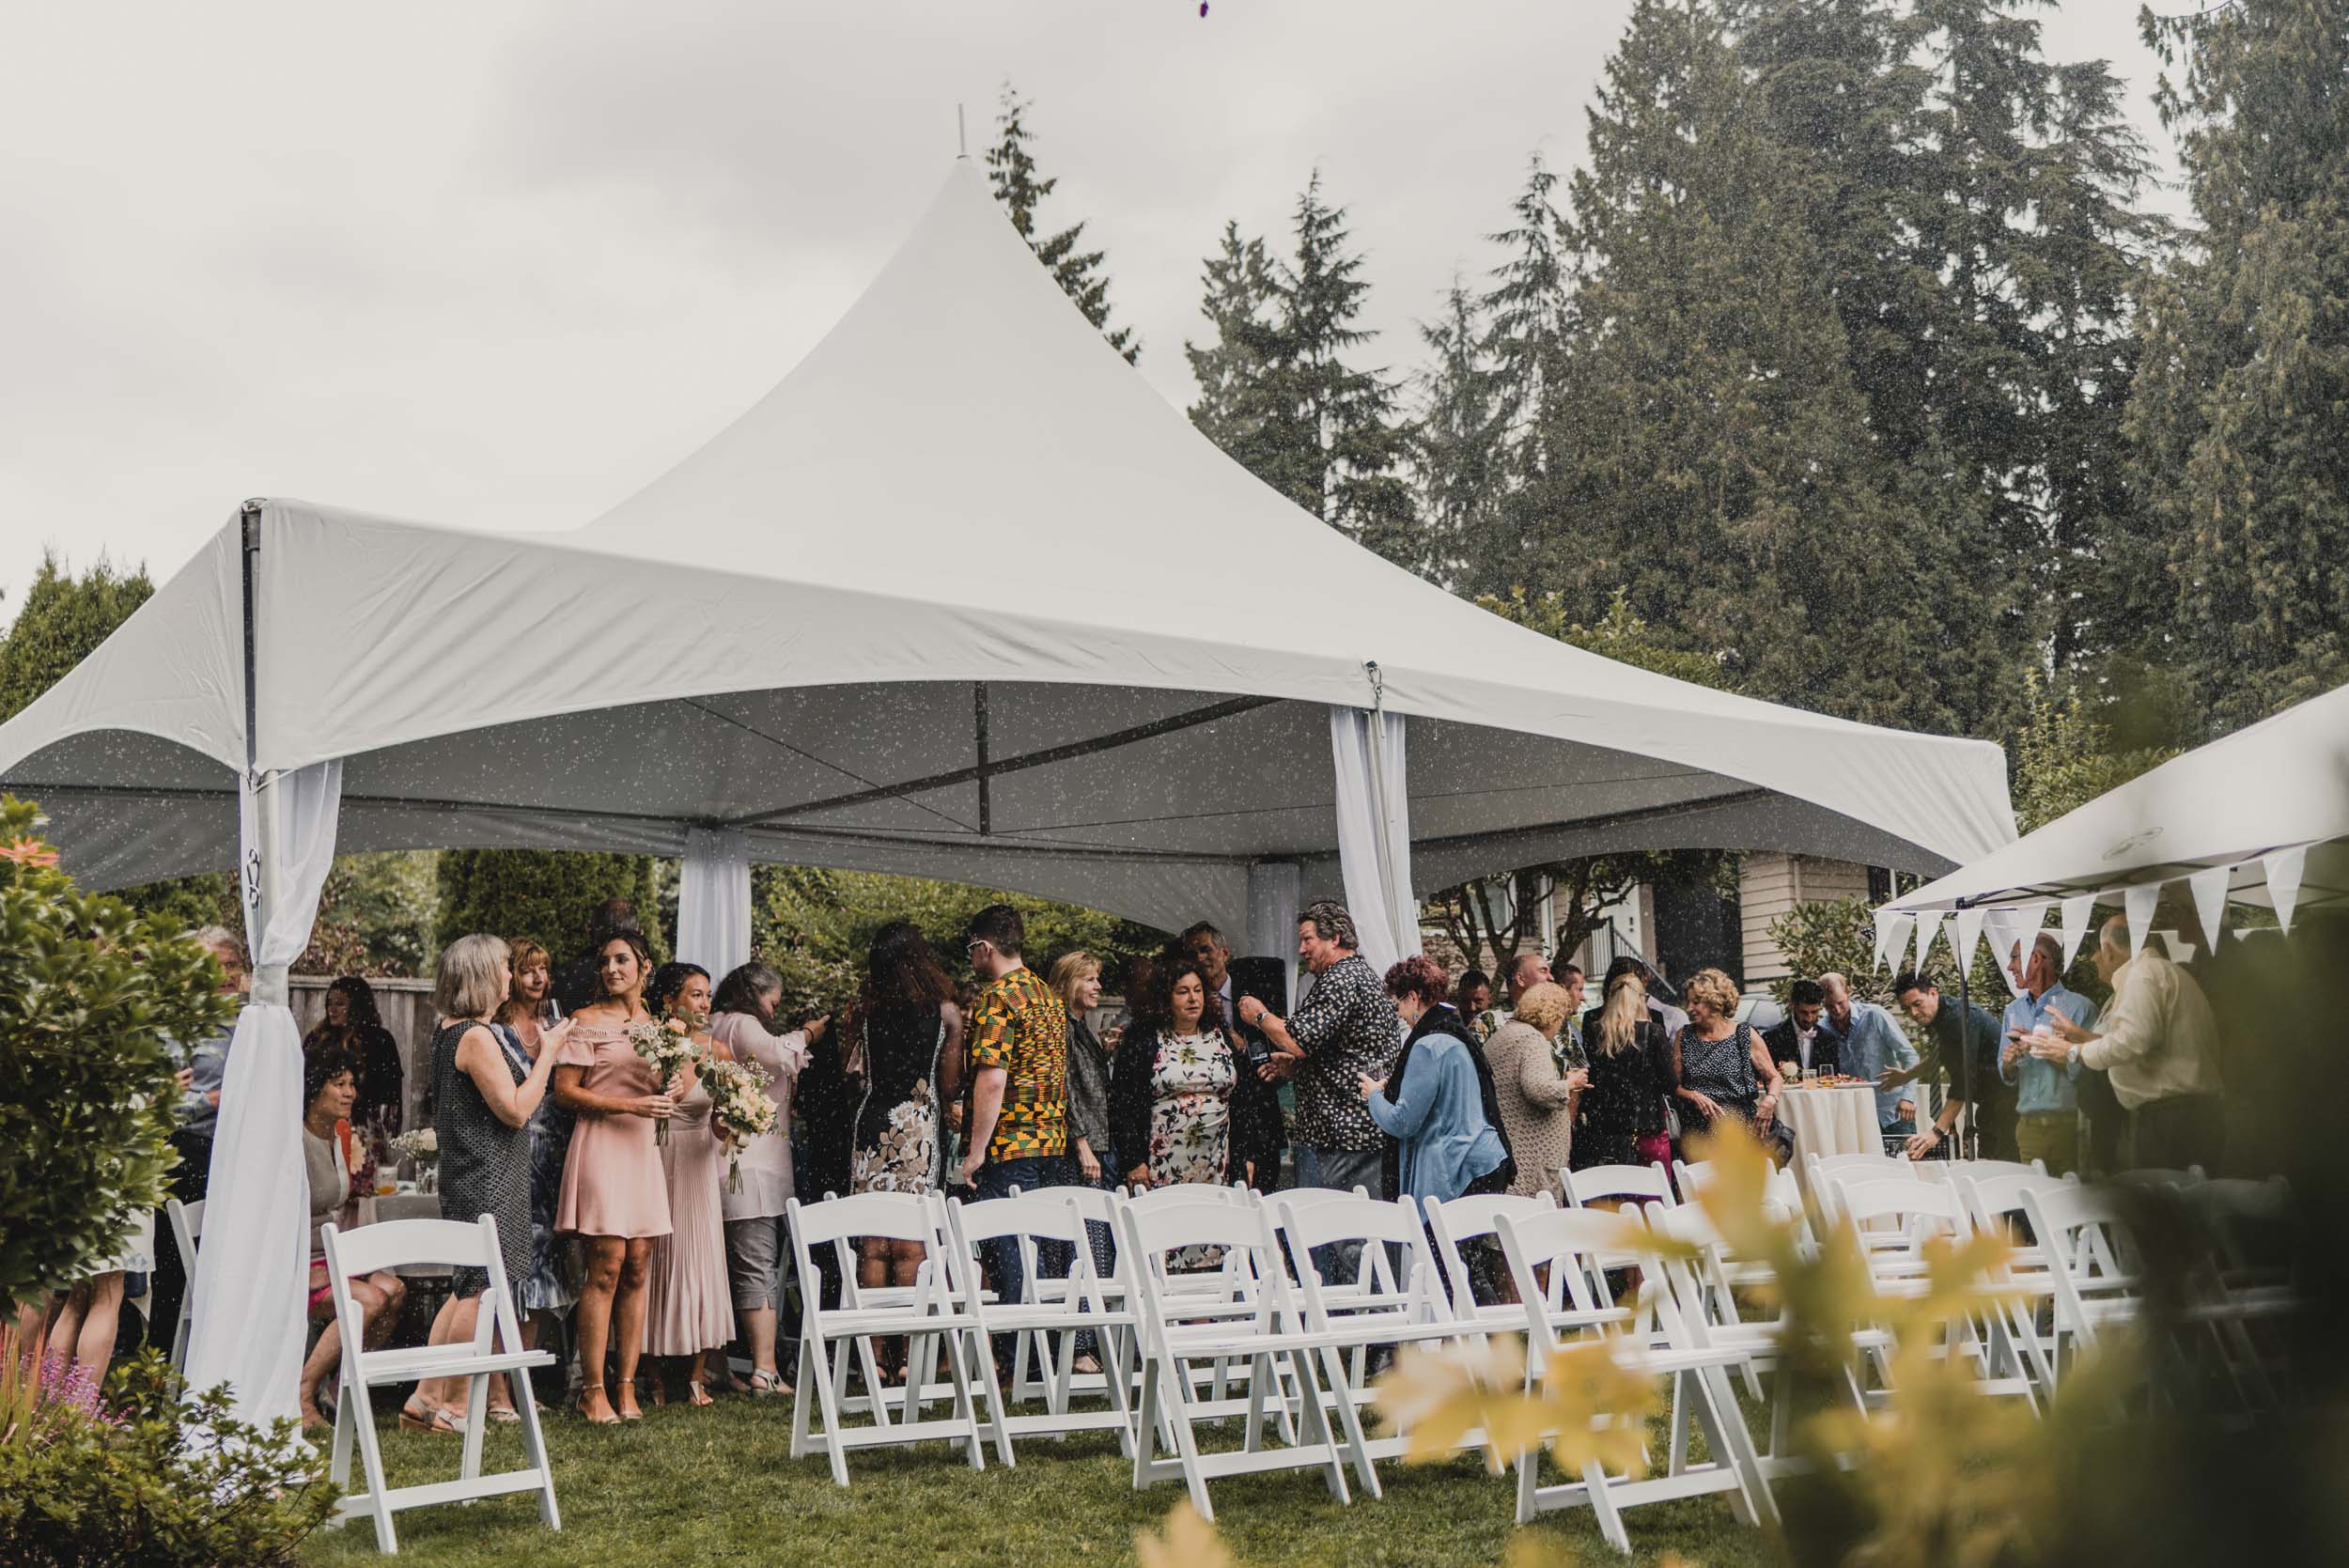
{"x": 2158, "y": 1040}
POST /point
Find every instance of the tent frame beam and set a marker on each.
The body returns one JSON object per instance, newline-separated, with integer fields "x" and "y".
{"x": 987, "y": 768}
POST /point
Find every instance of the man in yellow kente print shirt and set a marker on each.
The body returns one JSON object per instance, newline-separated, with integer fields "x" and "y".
{"x": 1019, "y": 1132}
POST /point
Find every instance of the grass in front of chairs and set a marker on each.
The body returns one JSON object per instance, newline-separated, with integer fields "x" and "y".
{"x": 719, "y": 1485}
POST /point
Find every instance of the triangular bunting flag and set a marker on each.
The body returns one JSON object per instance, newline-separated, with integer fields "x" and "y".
{"x": 2075, "y": 913}
{"x": 2284, "y": 868}
{"x": 2210, "y": 900}
{"x": 1892, "y": 931}
{"x": 1928, "y": 927}
{"x": 2139, "y": 904}
{"x": 1970, "y": 936}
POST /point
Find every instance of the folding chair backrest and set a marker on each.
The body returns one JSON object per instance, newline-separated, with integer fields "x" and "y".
{"x": 187, "y": 1229}
{"x": 1632, "y": 1184}
{"x": 1979, "y": 1169}
{"x": 1994, "y": 1202}
{"x": 1178, "y": 1193}
{"x": 876, "y": 1216}
{"x": 1472, "y": 1218}
{"x": 1568, "y": 1245}
{"x": 1375, "y": 1224}
{"x": 1303, "y": 1198}
{"x": 1903, "y": 1202}
{"x": 1024, "y": 1219}
{"x": 1824, "y": 1170}
{"x": 396, "y": 1243}
{"x": 2085, "y": 1232}
{"x": 1691, "y": 1177}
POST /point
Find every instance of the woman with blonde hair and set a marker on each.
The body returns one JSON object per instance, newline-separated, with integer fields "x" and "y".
{"x": 1721, "y": 1068}
{"x": 552, "y": 1286}
{"x": 1621, "y": 1120}
{"x": 484, "y": 1091}
{"x": 1537, "y": 1102}
{"x": 1077, "y": 979}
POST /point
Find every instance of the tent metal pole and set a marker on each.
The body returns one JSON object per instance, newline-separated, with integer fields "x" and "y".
{"x": 978, "y": 726}
{"x": 1971, "y": 1145}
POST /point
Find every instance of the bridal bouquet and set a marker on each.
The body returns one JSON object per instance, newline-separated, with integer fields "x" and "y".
{"x": 667, "y": 1046}
{"x": 739, "y": 1107}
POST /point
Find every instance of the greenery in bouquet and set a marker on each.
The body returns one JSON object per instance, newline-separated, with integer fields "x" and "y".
{"x": 145, "y": 1475}
{"x": 93, "y": 995}
{"x": 667, "y": 1046}
{"x": 739, "y": 1107}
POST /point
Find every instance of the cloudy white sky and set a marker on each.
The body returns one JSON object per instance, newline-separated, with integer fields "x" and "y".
{"x": 500, "y": 264}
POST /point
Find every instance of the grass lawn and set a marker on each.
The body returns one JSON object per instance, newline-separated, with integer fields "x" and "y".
{"x": 719, "y": 1485}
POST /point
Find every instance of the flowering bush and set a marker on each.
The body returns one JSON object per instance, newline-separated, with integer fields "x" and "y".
{"x": 143, "y": 1477}
{"x": 91, "y": 991}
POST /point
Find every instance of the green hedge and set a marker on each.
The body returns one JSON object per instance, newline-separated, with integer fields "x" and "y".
{"x": 546, "y": 896}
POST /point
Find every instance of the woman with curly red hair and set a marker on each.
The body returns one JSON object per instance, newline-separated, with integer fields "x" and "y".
{"x": 1436, "y": 1104}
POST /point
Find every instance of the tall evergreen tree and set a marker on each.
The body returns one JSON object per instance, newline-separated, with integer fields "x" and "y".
{"x": 60, "y": 623}
{"x": 1011, "y": 169}
{"x": 1528, "y": 314}
{"x": 1459, "y": 443}
{"x": 1973, "y": 205}
{"x": 1711, "y": 446}
{"x": 1236, "y": 406}
{"x": 2237, "y": 411}
{"x": 1277, "y": 390}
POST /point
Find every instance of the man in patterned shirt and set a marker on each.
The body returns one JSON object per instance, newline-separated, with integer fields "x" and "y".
{"x": 1019, "y": 1089}
{"x": 1345, "y": 1029}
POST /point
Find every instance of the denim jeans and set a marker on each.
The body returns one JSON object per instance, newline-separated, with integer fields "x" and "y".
{"x": 1344, "y": 1169}
{"x": 1033, "y": 1173}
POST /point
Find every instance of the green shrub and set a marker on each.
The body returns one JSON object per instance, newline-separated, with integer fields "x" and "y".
{"x": 153, "y": 1479}
{"x": 90, "y": 990}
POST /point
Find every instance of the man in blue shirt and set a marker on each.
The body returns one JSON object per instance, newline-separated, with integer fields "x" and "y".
{"x": 2046, "y": 1104}
{"x": 1872, "y": 1046}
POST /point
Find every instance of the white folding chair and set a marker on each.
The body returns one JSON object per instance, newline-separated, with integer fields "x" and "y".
{"x": 1898, "y": 1218}
{"x": 2092, "y": 1262}
{"x": 2247, "y": 1277}
{"x": 1248, "y": 1317}
{"x": 187, "y": 1230}
{"x": 1383, "y": 1305}
{"x": 1550, "y": 1257}
{"x": 934, "y": 1309}
{"x": 1476, "y": 1217}
{"x": 1994, "y": 1205}
{"x": 353, "y": 1254}
{"x": 1078, "y": 1303}
{"x": 1628, "y": 1188}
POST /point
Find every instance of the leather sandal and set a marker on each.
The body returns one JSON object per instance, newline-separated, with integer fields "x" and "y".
{"x": 769, "y": 1383}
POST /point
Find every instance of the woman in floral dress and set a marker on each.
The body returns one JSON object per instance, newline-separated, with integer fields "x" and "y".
{"x": 906, "y": 1056}
{"x": 1182, "y": 1107}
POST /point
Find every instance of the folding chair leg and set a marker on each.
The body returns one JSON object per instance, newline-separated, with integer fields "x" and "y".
{"x": 1313, "y": 1425}
{"x": 476, "y": 1399}
{"x": 1350, "y": 1418}
{"x": 371, "y": 1463}
{"x": 991, "y": 1385}
{"x": 827, "y": 1394}
{"x": 346, "y": 1419}
{"x": 1679, "y": 1460}
{"x": 535, "y": 1447}
{"x": 803, "y": 1390}
{"x": 965, "y": 1410}
{"x": 1146, "y": 1424}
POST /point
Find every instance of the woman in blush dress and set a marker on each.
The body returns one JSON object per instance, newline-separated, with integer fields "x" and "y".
{"x": 689, "y": 1310}
{"x": 615, "y": 1194}
{"x": 743, "y": 1022}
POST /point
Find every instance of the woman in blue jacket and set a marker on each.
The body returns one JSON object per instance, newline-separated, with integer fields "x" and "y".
{"x": 1437, "y": 1104}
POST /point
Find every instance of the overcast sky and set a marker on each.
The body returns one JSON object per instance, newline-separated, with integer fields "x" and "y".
{"x": 502, "y": 264}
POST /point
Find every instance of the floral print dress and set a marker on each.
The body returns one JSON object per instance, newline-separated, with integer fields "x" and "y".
{"x": 1191, "y": 1119}
{"x": 897, "y": 1144}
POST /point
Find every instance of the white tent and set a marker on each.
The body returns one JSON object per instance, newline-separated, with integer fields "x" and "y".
{"x": 961, "y": 597}
{"x": 2258, "y": 817}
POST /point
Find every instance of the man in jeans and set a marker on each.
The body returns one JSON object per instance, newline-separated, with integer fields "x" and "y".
{"x": 2046, "y": 1098}
{"x": 1346, "y": 1029}
{"x": 1018, "y": 1131}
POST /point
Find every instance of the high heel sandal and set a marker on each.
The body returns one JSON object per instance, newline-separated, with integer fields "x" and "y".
{"x": 596, "y": 1388}
{"x": 697, "y": 1394}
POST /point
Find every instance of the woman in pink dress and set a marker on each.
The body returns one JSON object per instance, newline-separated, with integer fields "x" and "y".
{"x": 615, "y": 1196}
{"x": 689, "y": 1309}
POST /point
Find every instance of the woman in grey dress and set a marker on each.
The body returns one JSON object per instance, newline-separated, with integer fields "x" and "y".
{"x": 483, "y": 1093}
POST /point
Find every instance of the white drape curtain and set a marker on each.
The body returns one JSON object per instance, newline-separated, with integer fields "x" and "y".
{"x": 713, "y": 902}
{"x": 1272, "y": 899}
{"x": 251, "y": 1284}
{"x": 1375, "y": 831}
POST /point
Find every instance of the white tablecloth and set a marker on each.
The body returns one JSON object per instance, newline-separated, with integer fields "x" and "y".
{"x": 1841, "y": 1120}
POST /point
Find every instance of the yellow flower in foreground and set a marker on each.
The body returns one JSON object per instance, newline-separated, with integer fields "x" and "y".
{"x": 1187, "y": 1542}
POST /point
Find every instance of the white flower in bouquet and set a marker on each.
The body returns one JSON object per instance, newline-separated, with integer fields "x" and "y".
{"x": 423, "y": 1145}
{"x": 739, "y": 1107}
{"x": 667, "y": 1046}
{"x": 1790, "y": 1071}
